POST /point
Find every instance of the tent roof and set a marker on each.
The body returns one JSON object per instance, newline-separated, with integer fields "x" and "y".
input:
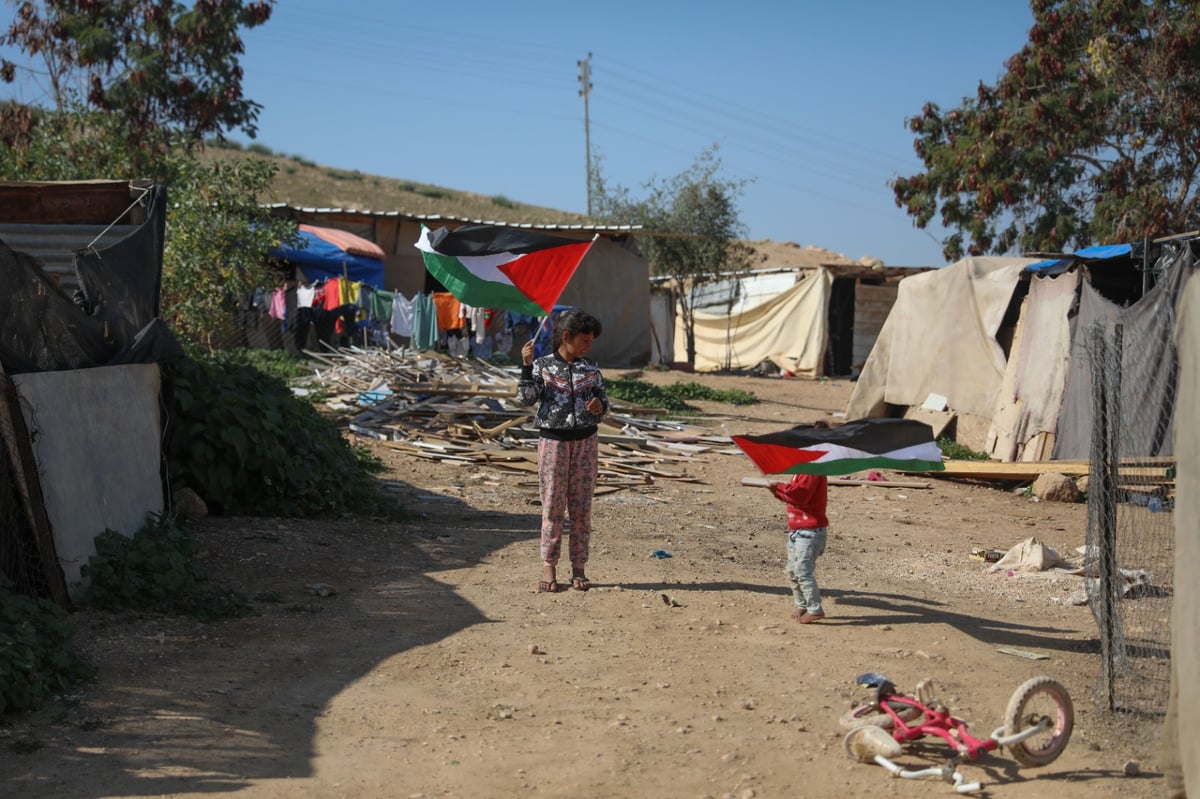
{"x": 334, "y": 253}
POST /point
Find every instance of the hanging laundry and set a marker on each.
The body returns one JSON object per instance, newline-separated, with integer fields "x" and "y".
{"x": 305, "y": 295}
{"x": 402, "y": 315}
{"x": 382, "y": 303}
{"x": 278, "y": 309}
{"x": 448, "y": 308}
{"x": 425, "y": 322}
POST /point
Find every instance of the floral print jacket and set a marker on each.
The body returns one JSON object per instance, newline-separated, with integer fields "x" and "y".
{"x": 563, "y": 389}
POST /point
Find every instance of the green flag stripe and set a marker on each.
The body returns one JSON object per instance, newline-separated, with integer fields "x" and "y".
{"x": 850, "y": 465}
{"x": 475, "y": 291}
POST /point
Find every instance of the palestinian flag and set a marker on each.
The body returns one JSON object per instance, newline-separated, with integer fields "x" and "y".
{"x": 903, "y": 445}
{"x": 486, "y": 266}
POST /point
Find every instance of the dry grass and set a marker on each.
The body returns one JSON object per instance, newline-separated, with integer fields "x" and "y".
{"x": 303, "y": 183}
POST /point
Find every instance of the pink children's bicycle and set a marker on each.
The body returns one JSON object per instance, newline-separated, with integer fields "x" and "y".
{"x": 1037, "y": 727}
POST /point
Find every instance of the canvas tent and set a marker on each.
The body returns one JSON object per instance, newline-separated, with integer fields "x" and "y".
{"x": 1004, "y": 342}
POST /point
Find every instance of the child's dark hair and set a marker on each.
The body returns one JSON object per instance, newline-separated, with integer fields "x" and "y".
{"x": 575, "y": 321}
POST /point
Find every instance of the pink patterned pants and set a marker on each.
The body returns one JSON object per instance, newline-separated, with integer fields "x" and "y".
{"x": 567, "y": 480}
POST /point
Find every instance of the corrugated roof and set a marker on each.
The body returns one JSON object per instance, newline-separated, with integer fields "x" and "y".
{"x": 610, "y": 229}
{"x": 55, "y": 245}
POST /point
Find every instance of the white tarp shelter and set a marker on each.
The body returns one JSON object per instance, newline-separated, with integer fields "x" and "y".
{"x": 940, "y": 338}
{"x": 787, "y": 325}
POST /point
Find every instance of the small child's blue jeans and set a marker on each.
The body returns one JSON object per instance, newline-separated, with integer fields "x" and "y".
{"x": 804, "y": 546}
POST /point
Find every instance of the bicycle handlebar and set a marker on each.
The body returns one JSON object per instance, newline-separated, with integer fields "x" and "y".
{"x": 947, "y": 773}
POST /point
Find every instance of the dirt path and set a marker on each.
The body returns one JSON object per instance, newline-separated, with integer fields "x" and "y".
{"x": 431, "y": 668}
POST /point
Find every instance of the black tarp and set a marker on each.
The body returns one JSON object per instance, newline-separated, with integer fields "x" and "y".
{"x": 113, "y": 319}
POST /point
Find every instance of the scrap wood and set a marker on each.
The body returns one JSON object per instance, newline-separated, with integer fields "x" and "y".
{"x": 1029, "y": 470}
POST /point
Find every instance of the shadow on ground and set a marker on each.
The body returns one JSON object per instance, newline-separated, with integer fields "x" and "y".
{"x": 182, "y": 706}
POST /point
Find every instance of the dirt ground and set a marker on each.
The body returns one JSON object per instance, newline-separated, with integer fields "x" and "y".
{"x": 415, "y": 659}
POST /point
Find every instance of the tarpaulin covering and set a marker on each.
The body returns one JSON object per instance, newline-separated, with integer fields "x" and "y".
{"x": 329, "y": 252}
{"x": 1147, "y": 364}
{"x": 112, "y": 320}
{"x": 789, "y": 330}
{"x": 940, "y": 338}
{"x": 1037, "y": 368}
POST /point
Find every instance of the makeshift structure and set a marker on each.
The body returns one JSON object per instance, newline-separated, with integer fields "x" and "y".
{"x": 805, "y": 322}
{"x": 80, "y": 348}
{"x": 611, "y": 283}
{"x": 328, "y": 252}
{"x": 997, "y": 347}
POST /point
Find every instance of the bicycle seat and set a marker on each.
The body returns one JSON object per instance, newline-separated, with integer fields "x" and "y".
{"x": 882, "y": 685}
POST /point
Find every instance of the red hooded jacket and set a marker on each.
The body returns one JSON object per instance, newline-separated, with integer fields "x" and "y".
{"x": 806, "y": 496}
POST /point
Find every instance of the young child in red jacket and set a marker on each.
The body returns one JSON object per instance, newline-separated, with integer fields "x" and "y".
{"x": 806, "y": 496}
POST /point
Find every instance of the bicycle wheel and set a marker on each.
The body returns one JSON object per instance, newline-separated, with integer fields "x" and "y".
{"x": 870, "y": 716}
{"x": 1035, "y": 699}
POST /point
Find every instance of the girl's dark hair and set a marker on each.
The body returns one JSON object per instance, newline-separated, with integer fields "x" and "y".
{"x": 575, "y": 321}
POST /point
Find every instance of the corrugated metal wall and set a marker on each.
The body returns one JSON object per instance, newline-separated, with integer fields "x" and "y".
{"x": 55, "y": 245}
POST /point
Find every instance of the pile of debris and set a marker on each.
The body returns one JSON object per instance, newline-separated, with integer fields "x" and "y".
{"x": 437, "y": 407}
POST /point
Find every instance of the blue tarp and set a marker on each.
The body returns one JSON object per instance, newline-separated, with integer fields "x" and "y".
{"x": 1099, "y": 253}
{"x": 321, "y": 260}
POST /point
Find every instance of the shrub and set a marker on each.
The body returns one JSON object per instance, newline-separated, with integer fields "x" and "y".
{"x": 155, "y": 570}
{"x": 37, "y": 654}
{"x": 244, "y": 443}
{"x": 957, "y": 452}
{"x": 673, "y": 397}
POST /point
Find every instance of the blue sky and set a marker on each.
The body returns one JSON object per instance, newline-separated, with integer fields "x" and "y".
{"x": 807, "y": 99}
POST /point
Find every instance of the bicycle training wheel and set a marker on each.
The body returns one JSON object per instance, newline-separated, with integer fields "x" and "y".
{"x": 870, "y": 716}
{"x": 1035, "y": 699}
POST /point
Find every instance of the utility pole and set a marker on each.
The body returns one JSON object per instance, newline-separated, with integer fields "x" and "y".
{"x": 585, "y": 83}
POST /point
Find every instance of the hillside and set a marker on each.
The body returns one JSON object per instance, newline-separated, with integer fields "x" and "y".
{"x": 302, "y": 183}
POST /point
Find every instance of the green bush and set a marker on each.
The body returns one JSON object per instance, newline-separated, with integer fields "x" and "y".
{"x": 37, "y": 654}
{"x": 673, "y": 397}
{"x": 155, "y": 570}
{"x": 957, "y": 452}
{"x": 243, "y": 442}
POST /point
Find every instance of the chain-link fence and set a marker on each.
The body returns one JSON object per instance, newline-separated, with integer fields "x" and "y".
{"x": 1130, "y": 537}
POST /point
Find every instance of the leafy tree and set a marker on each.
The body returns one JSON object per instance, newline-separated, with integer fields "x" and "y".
{"x": 1090, "y": 135}
{"x": 217, "y": 237}
{"x": 691, "y": 228}
{"x": 162, "y": 68}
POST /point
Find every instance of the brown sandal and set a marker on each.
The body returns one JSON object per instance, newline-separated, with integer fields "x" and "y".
{"x": 548, "y": 587}
{"x": 580, "y": 583}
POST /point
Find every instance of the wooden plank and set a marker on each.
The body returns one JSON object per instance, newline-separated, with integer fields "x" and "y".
{"x": 456, "y": 391}
{"x": 24, "y": 468}
{"x": 1028, "y": 470}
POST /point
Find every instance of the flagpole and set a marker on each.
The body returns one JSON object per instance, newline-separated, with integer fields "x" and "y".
{"x": 540, "y": 327}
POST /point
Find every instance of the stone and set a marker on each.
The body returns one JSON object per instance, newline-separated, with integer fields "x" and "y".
{"x": 1054, "y": 487}
{"x": 190, "y": 504}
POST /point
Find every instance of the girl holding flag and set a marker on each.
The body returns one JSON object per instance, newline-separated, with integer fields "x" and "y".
{"x": 568, "y": 388}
